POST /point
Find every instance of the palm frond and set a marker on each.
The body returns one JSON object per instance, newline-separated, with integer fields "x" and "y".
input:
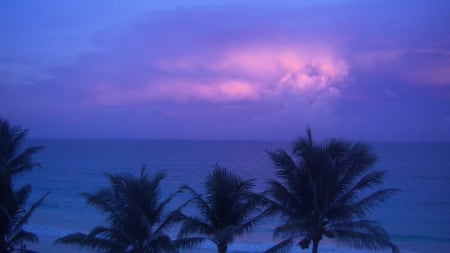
{"x": 22, "y": 194}
{"x": 174, "y": 217}
{"x": 16, "y": 208}
{"x": 194, "y": 225}
{"x": 24, "y": 219}
{"x": 162, "y": 205}
{"x": 161, "y": 243}
{"x": 11, "y": 139}
{"x": 281, "y": 247}
{"x": 92, "y": 242}
{"x": 283, "y": 201}
{"x": 198, "y": 200}
{"x": 23, "y": 236}
{"x": 247, "y": 226}
{"x": 360, "y": 207}
{"x": 286, "y": 167}
{"x": 101, "y": 200}
{"x": 23, "y": 162}
{"x": 367, "y": 181}
{"x": 291, "y": 229}
{"x": 364, "y": 234}
{"x": 359, "y": 159}
{"x": 188, "y": 242}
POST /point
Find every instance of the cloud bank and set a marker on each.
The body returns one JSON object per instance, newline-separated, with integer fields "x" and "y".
{"x": 252, "y": 66}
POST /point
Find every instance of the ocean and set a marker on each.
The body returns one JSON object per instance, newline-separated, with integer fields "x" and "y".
{"x": 417, "y": 218}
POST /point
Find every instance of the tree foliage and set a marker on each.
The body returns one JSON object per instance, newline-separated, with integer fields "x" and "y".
{"x": 327, "y": 190}
{"x": 15, "y": 161}
{"x": 228, "y": 209}
{"x": 136, "y": 216}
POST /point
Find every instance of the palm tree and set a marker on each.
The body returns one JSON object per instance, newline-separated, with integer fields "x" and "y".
{"x": 324, "y": 190}
{"x": 15, "y": 238}
{"x": 136, "y": 217}
{"x": 13, "y": 215}
{"x": 12, "y": 161}
{"x": 228, "y": 209}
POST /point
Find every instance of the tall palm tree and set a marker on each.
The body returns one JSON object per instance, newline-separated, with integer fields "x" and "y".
{"x": 228, "y": 209}
{"x": 13, "y": 215}
{"x": 324, "y": 190}
{"x": 137, "y": 221}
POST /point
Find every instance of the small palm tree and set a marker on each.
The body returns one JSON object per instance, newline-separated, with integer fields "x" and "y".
{"x": 16, "y": 237}
{"x": 13, "y": 214}
{"x": 324, "y": 192}
{"x": 228, "y": 209}
{"x": 136, "y": 217}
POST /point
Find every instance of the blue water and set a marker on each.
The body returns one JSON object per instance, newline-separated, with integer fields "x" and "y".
{"x": 418, "y": 218}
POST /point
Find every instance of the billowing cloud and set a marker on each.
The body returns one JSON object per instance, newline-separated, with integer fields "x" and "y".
{"x": 234, "y": 74}
{"x": 158, "y": 60}
{"x": 228, "y": 80}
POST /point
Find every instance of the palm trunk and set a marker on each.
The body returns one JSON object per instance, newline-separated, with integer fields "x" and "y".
{"x": 315, "y": 246}
{"x": 222, "y": 247}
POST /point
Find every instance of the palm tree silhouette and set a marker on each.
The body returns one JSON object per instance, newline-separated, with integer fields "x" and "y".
{"x": 136, "y": 217}
{"x": 14, "y": 162}
{"x": 228, "y": 209}
{"x": 324, "y": 191}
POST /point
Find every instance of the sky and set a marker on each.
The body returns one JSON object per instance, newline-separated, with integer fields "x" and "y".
{"x": 351, "y": 69}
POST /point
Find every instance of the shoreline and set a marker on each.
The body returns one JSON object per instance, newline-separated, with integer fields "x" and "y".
{"x": 249, "y": 244}
{"x": 46, "y": 245}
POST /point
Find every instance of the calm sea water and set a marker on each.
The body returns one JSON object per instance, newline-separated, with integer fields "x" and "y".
{"x": 418, "y": 218}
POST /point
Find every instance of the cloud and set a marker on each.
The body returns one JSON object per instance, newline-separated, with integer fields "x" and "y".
{"x": 426, "y": 67}
{"x": 179, "y": 59}
{"x": 184, "y": 91}
{"x": 261, "y": 71}
{"x": 224, "y": 55}
{"x": 254, "y": 66}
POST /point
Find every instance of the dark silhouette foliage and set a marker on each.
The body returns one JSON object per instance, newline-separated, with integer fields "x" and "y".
{"x": 13, "y": 215}
{"x": 326, "y": 190}
{"x": 228, "y": 209}
{"x": 136, "y": 216}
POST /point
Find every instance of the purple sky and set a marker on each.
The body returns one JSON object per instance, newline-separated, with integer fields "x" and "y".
{"x": 360, "y": 70}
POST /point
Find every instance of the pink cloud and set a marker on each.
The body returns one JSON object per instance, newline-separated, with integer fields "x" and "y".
{"x": 183, "y": 91}
{"x": 261, "y": 71}
{"x": 438, "y": 76}
{"x": 220, "y": 91}
{"x": 236, "y": 57}
{"x": 233, "y": 73}
{"x": 427, "y": 67}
